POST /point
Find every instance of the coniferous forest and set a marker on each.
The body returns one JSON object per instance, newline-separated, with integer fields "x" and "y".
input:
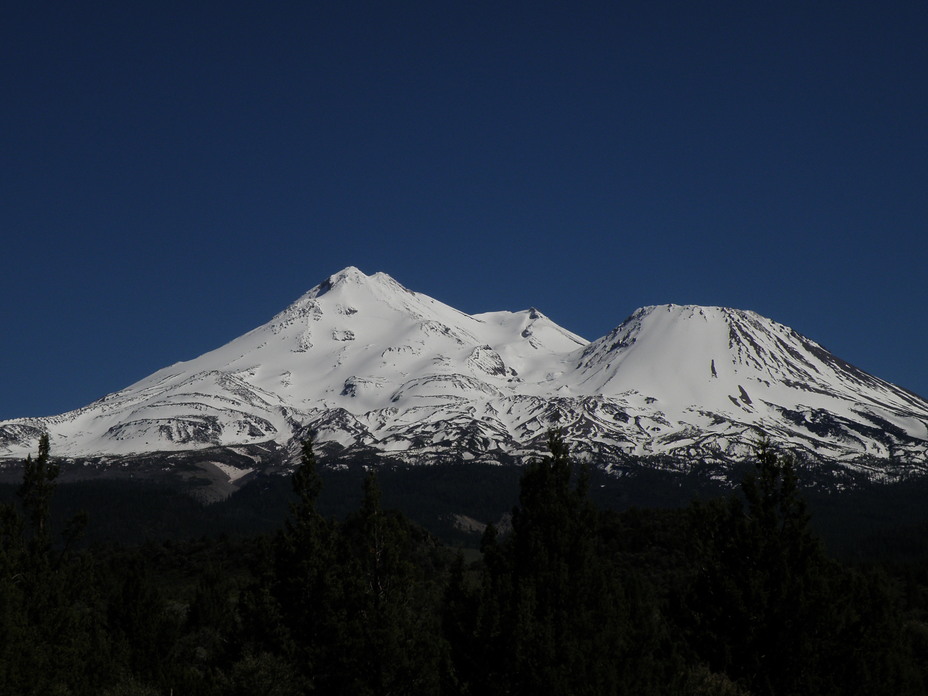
{"x": 731, "y": 596}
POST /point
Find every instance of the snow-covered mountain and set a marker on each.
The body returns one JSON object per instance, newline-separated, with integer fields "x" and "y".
{"x": 371, "y": 367}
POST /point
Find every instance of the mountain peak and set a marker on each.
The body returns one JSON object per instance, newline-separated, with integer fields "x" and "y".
{"x": 349, "y": 275}
{"x": 352, "y": 277}
{"x": 352, "y": 273}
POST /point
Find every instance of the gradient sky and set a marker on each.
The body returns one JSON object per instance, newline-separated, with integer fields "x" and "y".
{"x": 175, "y": 173}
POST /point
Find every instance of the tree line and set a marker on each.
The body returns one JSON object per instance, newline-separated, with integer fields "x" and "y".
{"x": 735, "y": 596}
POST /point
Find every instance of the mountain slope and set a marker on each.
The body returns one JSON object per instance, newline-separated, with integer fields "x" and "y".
{"x": 718, "y": 376}
{"x": 372, "y": 367}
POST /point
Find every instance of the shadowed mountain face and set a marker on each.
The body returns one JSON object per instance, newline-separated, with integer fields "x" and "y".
{"x": 372, "y": 368}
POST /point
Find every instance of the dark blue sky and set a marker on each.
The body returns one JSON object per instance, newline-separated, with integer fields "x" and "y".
{"x": 174, "y": 173}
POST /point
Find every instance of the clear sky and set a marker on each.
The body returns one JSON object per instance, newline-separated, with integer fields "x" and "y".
{"x": 175, "y": 173}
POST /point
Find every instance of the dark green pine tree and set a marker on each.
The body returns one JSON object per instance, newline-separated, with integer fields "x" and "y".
{"x": 768, "y": 607}
{"x": 787, "y": 568}
{"x": 459, "y": 606}
{"x": 35, "y": 492}
{"x": 552, "y": 617}
{"x": 40, "y": 585}
{"x": 52, "y": 625}
{"x": 295, "y": 613}
{"x": 391, "y": 639}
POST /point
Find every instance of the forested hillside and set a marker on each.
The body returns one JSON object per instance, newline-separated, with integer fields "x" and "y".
{"x": 733, "y": 595}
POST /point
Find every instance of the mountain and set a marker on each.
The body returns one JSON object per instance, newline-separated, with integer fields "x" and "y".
{"x": 372, "y": 368}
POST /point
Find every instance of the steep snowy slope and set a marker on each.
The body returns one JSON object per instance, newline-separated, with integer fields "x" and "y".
{"x": 371, "y": 367}
{"x": 715, "y": 377}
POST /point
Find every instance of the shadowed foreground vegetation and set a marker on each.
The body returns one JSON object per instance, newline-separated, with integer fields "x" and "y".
{"x": 730, "y": 596}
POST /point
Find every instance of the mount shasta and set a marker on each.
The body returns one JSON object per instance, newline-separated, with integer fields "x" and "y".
{"x": 371, "y": 368}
